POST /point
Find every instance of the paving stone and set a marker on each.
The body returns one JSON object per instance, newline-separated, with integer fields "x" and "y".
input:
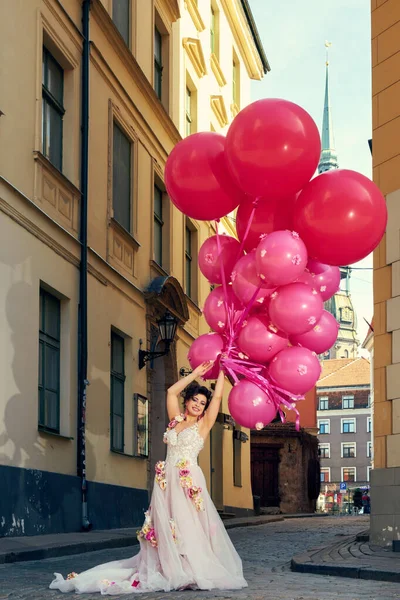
{"x": 266, "y": 551}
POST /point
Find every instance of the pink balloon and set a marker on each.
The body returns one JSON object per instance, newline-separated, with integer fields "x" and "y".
{"x": 295, "y": 308}
{"x": 210, "y": 260}
{"x": 250, "y": 406}
{"x": 296, "y": 370}
{"x": 245, "y": 281}
{"x": 321, "y": 337}
{"x": 206, "y": 347}
{"x": 258, "y": 341}
{"x": 215, "y": 309}
{"x": 197, "y": 179}
{"x": 326, "y": 279}
{"x": 273, "y": 148}
{"x": 281, "y": 258}
{"x": 341, "y": 216}
{"x": 271, "y": 214}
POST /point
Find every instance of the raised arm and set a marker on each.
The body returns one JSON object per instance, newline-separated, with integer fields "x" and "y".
{"x": 173, "y": 406}
{"x": 213, "y": 409}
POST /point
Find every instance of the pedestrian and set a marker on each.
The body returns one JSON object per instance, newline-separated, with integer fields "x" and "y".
{"x": 183, "y": 542}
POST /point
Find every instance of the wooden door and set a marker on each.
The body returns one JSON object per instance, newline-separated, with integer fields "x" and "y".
{"x": 265, "y": 473}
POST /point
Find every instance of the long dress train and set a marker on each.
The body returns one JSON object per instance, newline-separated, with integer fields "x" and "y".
{"x": 183, "y": 542}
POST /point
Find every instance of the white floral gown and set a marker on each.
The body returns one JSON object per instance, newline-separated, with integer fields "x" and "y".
{"x": 183, "y": 542}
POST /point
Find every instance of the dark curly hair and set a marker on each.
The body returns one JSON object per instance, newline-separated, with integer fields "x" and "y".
{"x": 193, "y": 389}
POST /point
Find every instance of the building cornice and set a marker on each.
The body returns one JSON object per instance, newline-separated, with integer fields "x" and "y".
{"x": 244, "y": 34}
{"x": 219, "y": 110}
{"x": 195, "y": 53}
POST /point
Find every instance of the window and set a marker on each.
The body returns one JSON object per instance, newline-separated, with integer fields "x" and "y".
{"x": 188, "y": 106}
{"x": 52, "y": 109}
{"x": 325, "y": 475}
{"x": 348, "y": 450}
{"x": 346, "y": 315}
{"x": 348, "y": 425}
{"x": 213, "y": 40}
{"x": 122, "y": 178}
{"x": 49, "y": 362}
{"x": 323, "y": 403}
{"x": 141, "y": 426}
{"x": 369, "y": 469}
{"x": 347, "y": 402}
{"x": 158, "y": 62}
{"x": 369, "y": 449}
{"x": 325, "y": 450}
{"x": 237, "y": 458}
{"x": 369, "y": 424}
{"x": 235, "y": 82}
{"x": 369, "y": 401}
{"x": 348, "y": 474}
{"x": 324, "y": 426}
{"x": 121, "y": 17}
{"x": 188, "y": 261}
{"x": 117, "y": 392}
{"x": 158, "y": 225}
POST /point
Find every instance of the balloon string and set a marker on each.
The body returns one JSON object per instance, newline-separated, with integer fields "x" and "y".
{"x": 249, "y": 224}
{"x": 229, "y": 313}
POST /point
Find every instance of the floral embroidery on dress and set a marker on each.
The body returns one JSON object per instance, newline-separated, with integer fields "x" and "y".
{"x": 173, "y": 530}
{"x": 147, "y": 532}
{"x": 192, "y": 491}
{"x": 172, "y": 424}
{"x": 160, "y": 474}
{"x": 72, "y": 575}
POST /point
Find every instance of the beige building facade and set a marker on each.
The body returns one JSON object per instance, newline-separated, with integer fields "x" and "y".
{"x": 94, "y": 254}
{"x": 385, "y": 477}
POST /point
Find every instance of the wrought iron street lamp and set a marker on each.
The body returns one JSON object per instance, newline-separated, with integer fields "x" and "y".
{"x": 167, "y": 326}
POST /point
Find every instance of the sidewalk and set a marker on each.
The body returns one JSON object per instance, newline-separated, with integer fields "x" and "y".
{"x": 16, "y": 549}
{"x": 351, "y": 557}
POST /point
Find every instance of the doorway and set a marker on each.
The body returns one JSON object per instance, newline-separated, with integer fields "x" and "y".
{"x": 265, "y": 473}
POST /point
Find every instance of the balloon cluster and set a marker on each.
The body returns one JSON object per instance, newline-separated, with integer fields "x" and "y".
{"x": 267, "y": 312}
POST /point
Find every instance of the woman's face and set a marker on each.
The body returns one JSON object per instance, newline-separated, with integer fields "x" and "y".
{"x": 196, "y": 405}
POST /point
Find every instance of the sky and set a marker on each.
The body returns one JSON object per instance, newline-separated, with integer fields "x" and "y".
{"x": 293, "y": 34}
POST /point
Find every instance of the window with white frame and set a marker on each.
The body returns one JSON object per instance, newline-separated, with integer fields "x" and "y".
{"x": 349, "y": 474}
{"x": 349, "y": 449}
{"x": 324, "y": 450}
{"x": 369, "y": 424}
{"x": 324, "y": 426}
{"x": 347, "y": 402}
{"x": 348, "y": 425}
{"x": 325, "y": 474}
{"x": 369, "y": 449}
{"x": 369, "y": 469}
{"x": 323, "y": 403}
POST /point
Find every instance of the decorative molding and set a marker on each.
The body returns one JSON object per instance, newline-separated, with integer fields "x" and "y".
{"x": 218, "y": 107}
{"x": 58, "y": 196}
{"x": 195, "y": 53}
{"x": 132, "y": 66}
{"x": 171, "y": 8}
{"x": 122, "y": 248}
{"x": 193, "y": 10}
{"x": 216, "y": 68}
{"x": 243, "y": 38}
{"x": 234, "y": 109}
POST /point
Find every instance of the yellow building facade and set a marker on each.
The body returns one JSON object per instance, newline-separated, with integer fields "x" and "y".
{"x": 385, "y": 477}
{"x": 94, "y": 255}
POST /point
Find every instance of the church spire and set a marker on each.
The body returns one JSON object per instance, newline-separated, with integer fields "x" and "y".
{"x": 328, "y": 158}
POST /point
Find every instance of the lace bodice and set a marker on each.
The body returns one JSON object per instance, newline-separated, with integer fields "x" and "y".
{"x": 183, "y": 445}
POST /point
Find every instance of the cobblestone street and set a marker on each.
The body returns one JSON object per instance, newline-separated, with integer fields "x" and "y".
{"x": 265, "y": 550}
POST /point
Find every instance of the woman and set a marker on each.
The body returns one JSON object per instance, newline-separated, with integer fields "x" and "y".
{"x": 183, "y": 542}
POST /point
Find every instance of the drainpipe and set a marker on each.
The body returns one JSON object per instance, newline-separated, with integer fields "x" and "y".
{"x": 83, "y": 308}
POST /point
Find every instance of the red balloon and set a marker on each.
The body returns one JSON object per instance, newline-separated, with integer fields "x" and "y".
{"x": 206, "y": 347}
{"x": 258, "y": 341}
{"x": 197, "y": 179}
{"x": 341, "y": 216}
{"x": 273, "y": 148}
{"x": 272, "y": 214}
{"x": 250, "y": 406}
{"x": 321, "y": 337}
{"x": 215, "y": 308}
